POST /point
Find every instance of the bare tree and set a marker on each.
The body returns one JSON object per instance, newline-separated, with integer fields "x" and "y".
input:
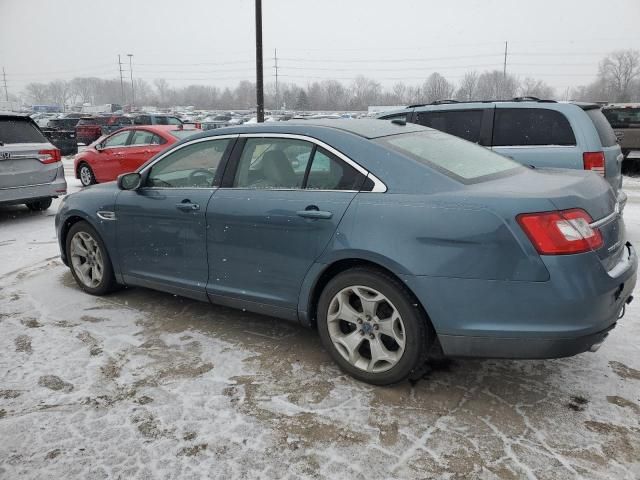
{"x": 162, "y": 86}
{"x": 59, "y": 92}
{"x": 436, "y": 87}
{"x": 468, "y": 87}
{"x": 530, "y": 87}
{"x": 364, "y": 92}
{"x": 619, "y": 69}
{"x": 37, "y": 92}
{"x": 495, "y": 86}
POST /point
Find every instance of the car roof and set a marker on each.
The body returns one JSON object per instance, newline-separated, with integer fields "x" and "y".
{"x": 480, "y": 104}
{"x": 13, "y": 114}
{"x": 366, "y": 128}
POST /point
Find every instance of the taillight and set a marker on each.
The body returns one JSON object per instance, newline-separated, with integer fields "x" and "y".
{"x": 594, "y": 161}
{"x": 49, "y": 156}
{"x": 198, "y": 125}
{"x": 561, "y": 232}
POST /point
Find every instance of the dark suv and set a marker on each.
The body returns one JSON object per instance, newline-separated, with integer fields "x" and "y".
{"x": 539, "y": 133}
{"x": 155, "y": 119}
{"x": 89, "y": 129}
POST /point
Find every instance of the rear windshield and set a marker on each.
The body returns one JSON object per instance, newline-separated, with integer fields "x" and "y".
{"x": 459, "y": 159}
{"x": 180, "y": 134}
{"x": 605, "y": 132}
{"x": 19, "y": 130}
{"x": 62, "y": 123}
{"x": 167, "y": 121}
{"x": 627, "y": 117}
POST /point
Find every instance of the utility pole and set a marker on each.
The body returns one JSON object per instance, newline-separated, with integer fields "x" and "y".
{"x": 504, "y": 69}
{"x": 259, "y": 79}
{"x": 4, "y": 79}
{"x": 121, "y": 81}
{"x": 133, "y": 97}
{"x": 275, "y": 53}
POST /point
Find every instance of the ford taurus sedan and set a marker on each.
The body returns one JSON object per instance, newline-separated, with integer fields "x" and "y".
{"x": 394, "y": 240}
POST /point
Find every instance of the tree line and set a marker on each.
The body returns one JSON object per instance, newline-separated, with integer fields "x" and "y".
{"x": 618, "y": 80}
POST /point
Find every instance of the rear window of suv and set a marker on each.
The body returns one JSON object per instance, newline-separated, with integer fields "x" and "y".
{"x": 456, "y": 158}
{"x": 19, "y": 130}
{"x": 605, "y": 132}
{"x": 531, "y": 126}
{"x": 625, "y": 117}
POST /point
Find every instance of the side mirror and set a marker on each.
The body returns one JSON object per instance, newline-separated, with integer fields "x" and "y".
{"x": 129, "y": 181}
{"x": 99, "y": 147}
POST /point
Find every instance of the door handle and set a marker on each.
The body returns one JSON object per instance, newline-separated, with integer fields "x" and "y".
{"x": 187, "y": 206}
{"x": 312, "y": 212}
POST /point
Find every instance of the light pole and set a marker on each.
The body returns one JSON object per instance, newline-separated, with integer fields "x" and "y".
{"x": 259, "y": 85}
{"x": 133, "y": 97}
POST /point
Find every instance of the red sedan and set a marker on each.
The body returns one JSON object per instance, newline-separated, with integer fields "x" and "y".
{"x": 124, "y": 151}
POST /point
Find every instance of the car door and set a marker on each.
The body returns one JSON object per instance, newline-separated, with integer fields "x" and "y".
{"x": 161, "y": 226}
{"x": 106, "y": 165}
{"x": 143, "y": 145}
{"x": 272, "y": 219}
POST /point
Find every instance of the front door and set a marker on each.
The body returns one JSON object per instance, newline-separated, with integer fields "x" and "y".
{"x": 106, "y": 166}
{"x": 162, "y": 227}
{"x": 269, "y": 225}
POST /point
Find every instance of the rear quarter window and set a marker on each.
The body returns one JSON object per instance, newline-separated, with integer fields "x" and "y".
{"x": 531, "y": 126}
{"x": 456, "y": 158}
{"x": 627, "y": 117}
{"x": 19, "y": 130}
{"x": 605, "y": 132}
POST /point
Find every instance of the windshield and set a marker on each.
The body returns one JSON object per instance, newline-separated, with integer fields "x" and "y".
{"x": 457, "y": 158}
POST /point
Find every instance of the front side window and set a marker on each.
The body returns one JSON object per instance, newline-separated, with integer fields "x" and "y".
{"x": 273, "y": 163}
{"x": 461, "y": 123}
{"x": 452, "y": 156}
{"x": 328, "y": 172}
{"x": 117, "y": 140}
{"x": 531, "y": 126}
{"x": 192, "y": 166}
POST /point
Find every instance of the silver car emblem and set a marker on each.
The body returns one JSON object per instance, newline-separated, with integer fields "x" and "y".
{"x": 5, "y": 155}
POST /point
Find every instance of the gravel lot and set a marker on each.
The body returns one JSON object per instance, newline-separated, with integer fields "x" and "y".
{"x": 142, "y": 384}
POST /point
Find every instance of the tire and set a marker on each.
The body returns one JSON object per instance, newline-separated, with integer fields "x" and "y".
{"x": 39, "y": 205}
{"x": 398, "y": 329}
{"x": 98, "y": 277}
{"x": 86, "y": 175}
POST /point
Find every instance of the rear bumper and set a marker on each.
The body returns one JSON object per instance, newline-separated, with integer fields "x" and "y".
{"x": 564, "y": 316}
{"x": 23, "y": 194}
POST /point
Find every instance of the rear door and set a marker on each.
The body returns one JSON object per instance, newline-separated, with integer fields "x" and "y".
{"x": 143, "y": 145}
{"x": 280, "y": 204}
{"x": 21, "y": 164}
{"x": 539, "y": 137}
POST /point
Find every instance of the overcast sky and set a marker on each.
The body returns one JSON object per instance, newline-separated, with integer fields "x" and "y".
{"x": 212, "y": 41}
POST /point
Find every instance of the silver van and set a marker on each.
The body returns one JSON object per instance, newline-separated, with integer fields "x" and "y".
{"x": 31, "y": 170}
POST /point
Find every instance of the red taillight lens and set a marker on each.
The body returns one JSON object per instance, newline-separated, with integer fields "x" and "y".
{"x": 198, "y": 125}
{"x": 49, "y": 156}
{"x": 561, "y": 233}
{"x": 594, "y": 161}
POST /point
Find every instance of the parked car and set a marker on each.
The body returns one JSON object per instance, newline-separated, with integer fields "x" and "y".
{"x": 625, "y": 121}
{"x": 540, "y": 133}
{"x": 89, "y": 129}
{"x": 124, "y": 151}
{"x": 155, "y": 119}
{"x": 61, "y": 132}
{"x": 394, "y": 241}
{"x": 30, "y": 168}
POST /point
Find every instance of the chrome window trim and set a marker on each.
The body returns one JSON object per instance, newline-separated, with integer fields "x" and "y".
{"x": 378, "y": 185}
{"x": 533, "y": 146}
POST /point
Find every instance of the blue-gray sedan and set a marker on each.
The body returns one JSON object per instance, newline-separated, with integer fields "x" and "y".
{"x": 395, "y": 241}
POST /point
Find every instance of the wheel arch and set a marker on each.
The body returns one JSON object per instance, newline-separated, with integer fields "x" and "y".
{"x": 308, "y": 315}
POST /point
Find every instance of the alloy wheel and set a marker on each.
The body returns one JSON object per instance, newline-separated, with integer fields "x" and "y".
{"x": 86, "y": 259}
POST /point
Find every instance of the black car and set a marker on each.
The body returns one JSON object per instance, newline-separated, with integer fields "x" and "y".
{"x": 61, "y": 132}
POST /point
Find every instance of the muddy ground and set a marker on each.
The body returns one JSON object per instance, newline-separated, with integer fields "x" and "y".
{"x": 142, "y": 384}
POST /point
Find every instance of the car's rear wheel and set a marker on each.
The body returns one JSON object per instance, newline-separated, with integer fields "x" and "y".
{"x": 89, "y": 261}
{"x": 39, "y": 205}
{"x": 86, "y": 175}
{"x": 372, "y": 327}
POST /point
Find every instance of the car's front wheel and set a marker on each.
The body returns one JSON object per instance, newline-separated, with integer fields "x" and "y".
{"x": 86, "y": 175}
{"x": 372, "y": 327}
{"x": 89, "y": 260}
{"x": 39, "y": 205}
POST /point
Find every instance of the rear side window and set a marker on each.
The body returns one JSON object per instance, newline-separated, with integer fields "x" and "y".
{"x": 531, "y": 126}
{"x": 605, "y": 132}
{"x": 328, "y": 172}
{"x": 461, "y": 123}
{"x": 19, "y": 130}
{"x": 452, "y": 156}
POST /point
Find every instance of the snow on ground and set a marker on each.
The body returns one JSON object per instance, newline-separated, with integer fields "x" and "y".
{"x": 142, "y": 384}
